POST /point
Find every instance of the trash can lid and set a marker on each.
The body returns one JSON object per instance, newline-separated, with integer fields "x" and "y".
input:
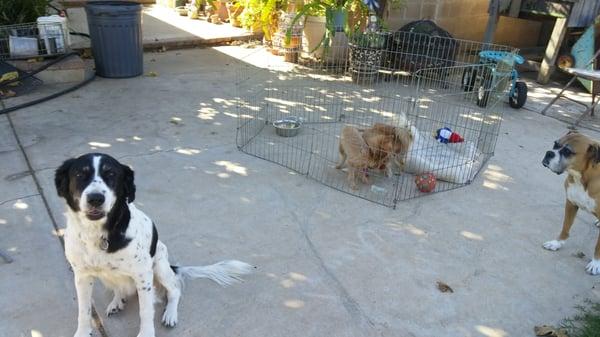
{"x": 112, "y": 7}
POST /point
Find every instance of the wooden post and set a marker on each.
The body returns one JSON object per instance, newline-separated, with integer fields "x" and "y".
{"x": 490, "y": 30}
{"x": 558, "y": 34}
{"x": 515, "y": 8}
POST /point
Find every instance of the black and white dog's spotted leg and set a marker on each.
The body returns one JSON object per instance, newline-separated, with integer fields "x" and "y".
{"x": 117, "y": 304}
{"x": 84, "y": 284}
{"x": 166, "y": 277}
{"x": 145, "y": 289}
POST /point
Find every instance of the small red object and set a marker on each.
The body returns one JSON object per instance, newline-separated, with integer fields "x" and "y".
{"x": 425, "y": 182}
{"x": 456, "y": 138}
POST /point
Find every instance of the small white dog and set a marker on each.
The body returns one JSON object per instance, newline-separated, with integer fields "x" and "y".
{"x": 108, "y": 238}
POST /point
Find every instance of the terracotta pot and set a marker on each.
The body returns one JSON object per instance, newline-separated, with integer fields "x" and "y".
{"x": 235, "y": 21}
{"x": 215, "y": 19}
{"x": 291, "y": 56}
{"x": 294, "y": 42}
{"x": 221, "y": 9}
{"x": 234, "y": 10}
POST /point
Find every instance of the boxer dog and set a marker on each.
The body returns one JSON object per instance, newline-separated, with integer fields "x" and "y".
{"x": 578, "y": 156}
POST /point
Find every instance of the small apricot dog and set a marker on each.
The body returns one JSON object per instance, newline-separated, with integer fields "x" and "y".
{"x": 391, "y": 143}
{"x": 356, "y": 153}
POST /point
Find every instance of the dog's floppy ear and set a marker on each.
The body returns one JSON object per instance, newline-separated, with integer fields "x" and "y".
{"x": 593, "y": 153}
{"x": 61, "y": 178}
{"x": 129, "y": 185}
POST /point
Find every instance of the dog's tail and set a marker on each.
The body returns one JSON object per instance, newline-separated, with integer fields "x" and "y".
{"x": 224, "y": 273}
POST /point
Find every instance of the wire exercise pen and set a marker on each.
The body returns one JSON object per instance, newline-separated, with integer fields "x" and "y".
{"x": 30, "y": 40}
{"x": 293, "y": 114}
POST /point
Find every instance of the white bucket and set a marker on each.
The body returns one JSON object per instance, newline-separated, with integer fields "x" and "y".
{"x": 23, "y": 46}
{"x": 312, "y": 35}
{"x": 55, "y": 33}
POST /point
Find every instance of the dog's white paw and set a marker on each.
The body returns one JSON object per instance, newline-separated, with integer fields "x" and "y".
{"x": 146, "y": 334}
{"x": 593, "y": 267}
{"x": 169, "y": 318}
{"x": 83, "y": 333}
{"x": 553, "y": 245}
{"x": 115, "y": 306}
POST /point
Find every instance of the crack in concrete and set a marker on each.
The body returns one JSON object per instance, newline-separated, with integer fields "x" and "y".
{"x": 147, "y": 154}
{"x": 40, "y": 193}
{"x": 353, "y": 308}
{"x": 19, "y": 198}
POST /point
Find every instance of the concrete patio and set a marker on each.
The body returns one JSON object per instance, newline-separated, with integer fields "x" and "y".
{"x": 329, "y": 264}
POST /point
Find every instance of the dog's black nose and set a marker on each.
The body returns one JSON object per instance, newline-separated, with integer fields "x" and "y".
{"x": 95, "y": 199}
{"x": 549, "y": 155}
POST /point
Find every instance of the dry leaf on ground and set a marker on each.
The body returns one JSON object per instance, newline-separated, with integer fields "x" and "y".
{"x": 443, "y": 287}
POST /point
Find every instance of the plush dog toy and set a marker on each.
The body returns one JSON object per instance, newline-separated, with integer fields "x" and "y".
{"x": 445, "y": 135}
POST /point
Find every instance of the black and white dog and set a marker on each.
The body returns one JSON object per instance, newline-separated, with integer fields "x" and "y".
{"x": 108, "y": 238}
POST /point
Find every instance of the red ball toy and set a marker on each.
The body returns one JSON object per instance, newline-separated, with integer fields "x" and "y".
{"x": 425, "y": 182}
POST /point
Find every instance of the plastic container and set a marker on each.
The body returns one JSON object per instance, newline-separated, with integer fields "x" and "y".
{"x": 54, "y": 32}
{"x": 23, "y": 46}
{"x": 116, "y": 34}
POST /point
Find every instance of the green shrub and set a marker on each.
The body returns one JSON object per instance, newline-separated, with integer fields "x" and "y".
{"x": 21, "y": 11}
{"x": 586, "y": 323}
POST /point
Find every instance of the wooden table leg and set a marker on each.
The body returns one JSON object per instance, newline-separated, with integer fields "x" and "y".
{"x": 558, "y": 34}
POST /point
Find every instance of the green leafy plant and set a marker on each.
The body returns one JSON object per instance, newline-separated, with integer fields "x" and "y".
{"x": 586, "y": 323}
{"x": 22, "y": 11}
{"x": 251, "y": 14}
{"x": 270, "y": 15}
{"x": 262, "y": 14}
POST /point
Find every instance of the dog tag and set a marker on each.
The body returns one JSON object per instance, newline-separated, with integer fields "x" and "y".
{"x": 103, "y": 243}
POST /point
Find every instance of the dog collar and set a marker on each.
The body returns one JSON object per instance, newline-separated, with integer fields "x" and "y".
{"x": 103, "y": 243}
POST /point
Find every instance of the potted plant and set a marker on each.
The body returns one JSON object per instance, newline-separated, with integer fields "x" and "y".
{"x": 313, "y": 32}
{"x": 193, "y": 8}
{"x": 221, "y": 9}
{"x": 366, "y": 54}
{"x": 235, "y": 9}
{"x": 269, "y": 17}
{"x": 250, "y": 17}
{"x": 335, "y": 37}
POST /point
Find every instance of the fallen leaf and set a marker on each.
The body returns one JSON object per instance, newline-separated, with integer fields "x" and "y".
{"x": 580, "y": 255}
{"x": 152, "y": 74}
{"x": 12, "y": 75}
{"x": 443, "y": 287}
{"x": 87, "y": 53}
{"x": 549, "y": 331}
{"x": 7, "y": 93}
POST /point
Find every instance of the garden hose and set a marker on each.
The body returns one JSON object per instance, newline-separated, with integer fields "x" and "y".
{"x": 47, "y": 98}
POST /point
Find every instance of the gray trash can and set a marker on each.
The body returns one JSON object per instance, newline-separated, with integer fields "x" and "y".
{"x": 116, "y": 34}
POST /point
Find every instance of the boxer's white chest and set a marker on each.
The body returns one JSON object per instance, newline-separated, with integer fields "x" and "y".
{"x": 577, "y": 194}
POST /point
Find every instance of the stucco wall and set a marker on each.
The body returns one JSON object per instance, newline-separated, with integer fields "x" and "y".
{"x": 466, "y": 19}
